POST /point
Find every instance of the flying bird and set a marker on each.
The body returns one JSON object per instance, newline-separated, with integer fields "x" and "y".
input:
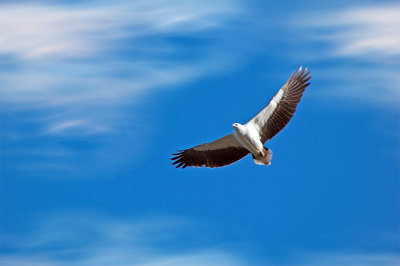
{"x": 250, "y": 137}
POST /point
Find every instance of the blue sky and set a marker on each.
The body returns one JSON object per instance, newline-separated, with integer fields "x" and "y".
{"x": 96, "y": 95}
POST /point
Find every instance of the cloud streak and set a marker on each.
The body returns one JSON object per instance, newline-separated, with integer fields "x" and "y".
{"x": 79, "y": 239}
{"x": 96, "y": 52}
{"x": 82, "y": 45}
{"x": 76, "y": 238}
{"x": 366, "y": 42}
{"x": 362, "y": 31}
{"x": 34, "y": 31}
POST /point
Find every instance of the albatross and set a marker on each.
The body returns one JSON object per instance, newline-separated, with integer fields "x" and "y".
{"x": 250, "y": 137}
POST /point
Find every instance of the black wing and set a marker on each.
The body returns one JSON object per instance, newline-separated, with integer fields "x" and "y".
{"x": 277, "y": 114}
{"x": 221, "y": 152}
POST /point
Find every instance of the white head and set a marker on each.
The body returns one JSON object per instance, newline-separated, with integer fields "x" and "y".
{"x": 236, "y": 125}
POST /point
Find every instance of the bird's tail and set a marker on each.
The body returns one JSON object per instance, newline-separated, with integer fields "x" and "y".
{"x": 263, "y": 158}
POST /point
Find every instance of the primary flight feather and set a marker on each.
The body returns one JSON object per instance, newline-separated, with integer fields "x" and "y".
{"x": 250, "y": 137}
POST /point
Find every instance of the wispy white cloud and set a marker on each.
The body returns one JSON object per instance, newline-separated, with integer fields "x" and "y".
{"x": 78, "y": 239}
{"x": 364, "y": 42}
{"x": 46, "y": 40}
{"x": 83, "y": 30}
{"x": 80, "y": 126}
{"x": 368, "y": 31}
{"x": 101, "y": 53}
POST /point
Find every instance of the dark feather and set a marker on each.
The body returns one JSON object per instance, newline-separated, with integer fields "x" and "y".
{"x": 292, "y": 93}
{"x": 208, "y": 158}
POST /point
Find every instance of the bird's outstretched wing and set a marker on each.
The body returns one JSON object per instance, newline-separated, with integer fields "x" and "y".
{"x": 223, "y": 151}
{"x": 275, "y": 116}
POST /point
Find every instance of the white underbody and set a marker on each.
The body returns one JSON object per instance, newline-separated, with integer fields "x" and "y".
{"x": 250, "y": 139}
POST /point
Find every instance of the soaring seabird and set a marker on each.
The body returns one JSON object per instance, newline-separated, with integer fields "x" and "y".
{"x": 250, "y": 137}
